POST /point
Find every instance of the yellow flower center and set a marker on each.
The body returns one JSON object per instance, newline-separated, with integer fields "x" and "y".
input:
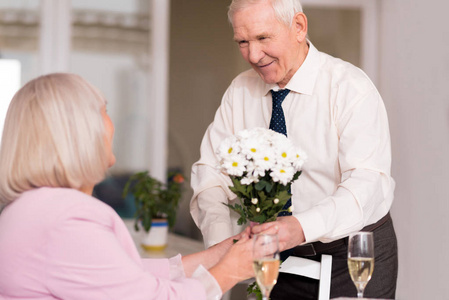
{"x": 253, "y": 150}
{"x": 282, "y": 171}
{"x": 284, "y": 155}
{"x": 235, "y": 164}
{"x": 266, "y": 158}
{"x": 230, "y": 150}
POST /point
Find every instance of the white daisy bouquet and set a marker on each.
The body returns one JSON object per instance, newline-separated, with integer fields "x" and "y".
{"x": 262, "y": 165}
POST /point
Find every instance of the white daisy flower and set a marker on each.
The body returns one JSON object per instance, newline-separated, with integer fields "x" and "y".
{"x": 258, "y": 172}
{"x": 235, "y": 165}
{"x": 248, "y": 179}
{"x": 254, "y": 201}
{"x": 253, "y": 147}
{"x": 276, "y": 201}
{"x": 277, "y": 139}
{"x": 253, "y": 173}
{"x": 282, "y": 174}
{"x": 285, "y": 154}
{"x": 250, "y": 166}
{"x": 244, "y": 134}
{"x": 267, "y": 160}
{"x": 299, "y": 158}
{"x": 229, "y": 147}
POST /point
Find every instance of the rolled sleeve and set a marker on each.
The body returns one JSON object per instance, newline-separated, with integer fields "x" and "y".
{"x": 212, "y": 216}
{"x": 171, "y": 268}
{"x": 213, "y": 290}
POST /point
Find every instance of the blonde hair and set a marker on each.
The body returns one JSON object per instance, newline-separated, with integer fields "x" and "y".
{"x": 53, "y": 136}
{"x": 284, "y": 10}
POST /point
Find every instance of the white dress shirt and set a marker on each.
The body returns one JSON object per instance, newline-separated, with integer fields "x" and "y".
{"x": 336, "y": 115}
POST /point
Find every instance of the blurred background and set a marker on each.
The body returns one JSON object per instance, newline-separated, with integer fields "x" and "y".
{"x": 164, "y": 66}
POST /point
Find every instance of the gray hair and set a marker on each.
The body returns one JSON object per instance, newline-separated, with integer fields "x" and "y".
{"x": 54, "y": 136}
{"x": 284, "y": 10}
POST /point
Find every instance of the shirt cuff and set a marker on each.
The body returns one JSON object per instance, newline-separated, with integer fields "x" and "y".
{"x": 176, "y": 267}
{"x": 328, "y": 222}
{"x": 312, "y": 225}
{"x": 213, "y": 290}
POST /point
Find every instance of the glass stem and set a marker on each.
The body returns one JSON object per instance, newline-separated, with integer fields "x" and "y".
{"x": 359, "y": 293}
{"x": 266, "y": 295}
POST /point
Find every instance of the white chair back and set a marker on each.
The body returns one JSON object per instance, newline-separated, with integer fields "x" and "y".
{"x": 313, "y": 269}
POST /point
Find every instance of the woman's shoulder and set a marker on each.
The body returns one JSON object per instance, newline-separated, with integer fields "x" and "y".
{"x": 57, "y": 204}
{"x": 42, "y": 212}
{"x": 66, "y": 196}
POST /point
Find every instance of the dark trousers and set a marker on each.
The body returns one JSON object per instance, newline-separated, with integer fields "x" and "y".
{"x": 381, "y": 285}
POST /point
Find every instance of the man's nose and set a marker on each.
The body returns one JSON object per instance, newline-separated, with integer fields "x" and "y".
{"x": 255, "y": 53}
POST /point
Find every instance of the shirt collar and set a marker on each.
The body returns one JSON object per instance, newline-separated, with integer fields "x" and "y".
{"x": 303, "y": 81}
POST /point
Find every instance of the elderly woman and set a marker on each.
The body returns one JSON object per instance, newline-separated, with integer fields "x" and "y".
{"x": 56, "y": 240}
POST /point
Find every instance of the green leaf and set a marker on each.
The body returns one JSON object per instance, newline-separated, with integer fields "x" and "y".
{"x": 259, "y": 219}
{"x": 260, "y": 185}
{"x": 264, "y": 185}
{"x": 262, "y": 197}
{"x": 268, "y": 186}
{"x": 283, "y": 195}
{"x": 242, "y": 220}
{"x": 236, "y": 191}
{"x": 253, "y": 288}
{"x": 296, "y": 176}
{"x": 240, "y": 210}
{"x": 252, "y": 210}
{"x": 146, "y": 222}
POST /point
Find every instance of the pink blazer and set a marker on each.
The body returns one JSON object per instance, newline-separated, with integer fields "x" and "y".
{"x": 58, "y": 243}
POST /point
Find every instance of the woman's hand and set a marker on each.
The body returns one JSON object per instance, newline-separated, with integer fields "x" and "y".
{"x": 287, "y": 228}
{"x": 236, "y": 264}
{"x": 211, "y": 256}
{"x": 220, "y": 249}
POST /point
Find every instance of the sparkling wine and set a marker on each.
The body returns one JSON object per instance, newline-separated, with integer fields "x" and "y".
{"x": 360, "y": 269}
{"x": 267, "y": 271}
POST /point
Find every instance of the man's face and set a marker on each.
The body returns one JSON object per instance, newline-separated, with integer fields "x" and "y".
{"x": 270, "y": 47}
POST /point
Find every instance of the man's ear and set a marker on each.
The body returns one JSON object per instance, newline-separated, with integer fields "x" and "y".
{"x": 300, "y": 26}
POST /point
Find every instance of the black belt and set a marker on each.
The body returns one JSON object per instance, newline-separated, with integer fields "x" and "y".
{"x": 319, "y": 247}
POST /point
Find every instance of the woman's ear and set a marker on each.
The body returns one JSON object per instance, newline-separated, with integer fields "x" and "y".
{"x": 300, "y": 26}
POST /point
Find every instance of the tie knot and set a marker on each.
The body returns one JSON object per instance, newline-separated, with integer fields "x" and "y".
{"x": 279, "y": 96}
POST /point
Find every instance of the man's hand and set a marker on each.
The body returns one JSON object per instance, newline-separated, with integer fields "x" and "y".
{"x": 288, "y": 229}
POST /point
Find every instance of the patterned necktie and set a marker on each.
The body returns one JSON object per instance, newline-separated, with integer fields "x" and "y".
{"x": 277, "y": 123}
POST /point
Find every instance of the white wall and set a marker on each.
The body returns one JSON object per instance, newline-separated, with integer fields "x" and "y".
{"x": 414, "y": 82}
{"x": 125, "y": 87}
{"x": 9, "y": 84}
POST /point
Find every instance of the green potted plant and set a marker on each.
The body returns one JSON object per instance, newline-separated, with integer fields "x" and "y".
{"x": 156, "y": 206}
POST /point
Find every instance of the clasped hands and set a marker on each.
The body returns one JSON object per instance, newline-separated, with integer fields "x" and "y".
{"x": 236, "y": 258}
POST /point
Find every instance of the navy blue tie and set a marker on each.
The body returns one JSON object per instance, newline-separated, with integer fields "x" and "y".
{"x": 277, "y": 123}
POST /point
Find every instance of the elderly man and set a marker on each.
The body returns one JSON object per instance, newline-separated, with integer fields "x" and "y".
{"x": 331, "y": 110}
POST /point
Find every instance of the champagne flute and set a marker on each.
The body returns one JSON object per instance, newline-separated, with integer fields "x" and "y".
{"x": 361, "y": 259}
{"x": 266, "y": 262}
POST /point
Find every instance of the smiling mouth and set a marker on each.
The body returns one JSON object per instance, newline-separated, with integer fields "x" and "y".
{"x": 263, "y": 66}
